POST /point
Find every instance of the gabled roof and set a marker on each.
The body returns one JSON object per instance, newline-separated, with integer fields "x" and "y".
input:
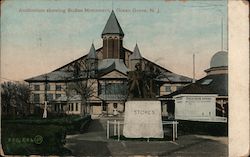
{"x": 92, "y": 53}
{"x": 136, "y": 54}
{"x": 107, "y": 65}
{"x": 112, "y": 26}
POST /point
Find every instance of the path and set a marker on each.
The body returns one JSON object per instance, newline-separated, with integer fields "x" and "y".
{"x": 94, "y": 143}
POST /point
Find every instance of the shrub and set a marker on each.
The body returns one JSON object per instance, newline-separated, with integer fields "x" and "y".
{"x": 20, "y": 136}
{"x": 26, "y": 139}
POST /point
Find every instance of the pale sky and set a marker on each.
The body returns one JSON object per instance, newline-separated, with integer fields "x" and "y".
{"x": 35, "y": 41}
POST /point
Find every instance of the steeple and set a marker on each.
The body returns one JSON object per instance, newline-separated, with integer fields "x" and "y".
{"x": 112, "y": 26}
{"x": 112, "y": 36}
{"x": 92, "y": 60}
{"x": 136, "y": 54}
{"x": 135, "y": 59}
{"x": 92, "y": 53}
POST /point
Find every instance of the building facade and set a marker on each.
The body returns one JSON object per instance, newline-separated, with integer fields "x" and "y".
{"x": 100, "y": 78}
{"x": 204, "y": 100}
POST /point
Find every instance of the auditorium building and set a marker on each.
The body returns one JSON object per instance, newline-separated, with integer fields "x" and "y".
{"x": 105, "y": 73}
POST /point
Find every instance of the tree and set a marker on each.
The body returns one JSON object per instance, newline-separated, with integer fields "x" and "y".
{"x": 15, "y": 98}
{"x": 83, "y": 83}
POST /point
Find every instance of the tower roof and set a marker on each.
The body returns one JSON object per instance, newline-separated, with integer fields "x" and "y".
{"x": 112, "y": 26}
{"x": 92, "y": 53}
{"x": 136, "y": 54}
{"x": 219, "y": 59}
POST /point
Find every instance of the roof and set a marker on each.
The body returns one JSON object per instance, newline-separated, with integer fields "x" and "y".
{"x": 190, "y": 89}
{"x": 92, "y": 53}
{"x": 218, "y": 84}
{"x": 172, "y": 77}
{"x": 211, "y": 84}
{"x": 62, "y": 98}
{"x": 113, "y": 97}
{"x": 76, "y": 60}
{"x": 107, "y": 65}
{"x": 52, "y": 76}
{"x": 59, "y": 76}
{"x": 136, "y": 54}
{"x": 219, "y": 59}
{"x": 112, "y": 26}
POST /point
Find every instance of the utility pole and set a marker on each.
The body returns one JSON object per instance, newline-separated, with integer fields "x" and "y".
{"x": 193, "y": 68}
{"x": 221, "y": 33}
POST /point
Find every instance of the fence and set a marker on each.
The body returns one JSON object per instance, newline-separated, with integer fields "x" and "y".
{"x": 117, "y": 128}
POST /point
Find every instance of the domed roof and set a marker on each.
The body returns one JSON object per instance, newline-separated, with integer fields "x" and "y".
{"x": 219, "y": 59}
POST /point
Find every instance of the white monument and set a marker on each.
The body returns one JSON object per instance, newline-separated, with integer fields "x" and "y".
{"x": 45, "y": 110}
{"x": 143, "y": 119}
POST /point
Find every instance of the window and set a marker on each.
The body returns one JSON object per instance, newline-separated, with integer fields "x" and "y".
{"x": 49, "y": 97}
{"x": 115, "y": 105}
{"x": 62, "y": 109}
{"x": 55, "y": 108}
{"x": 36, "y": 87}
{"x": 72, "y": 107}
{"x": 36, "y": 98}
{"x": 58, "y": 96}
{"x": 178, "y": 87}
{"x": 104, "y": 107}
{"x": 168, "y": 88}
{"x": 58, "y": 87}
{"x": 76, "y": 106}
{"x": 114, "y": 88}
{"x": 47, "y": 87}
{"x": 207, "y": 81}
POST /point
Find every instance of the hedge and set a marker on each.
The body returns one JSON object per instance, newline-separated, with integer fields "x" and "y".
{"x": 40, "y": 136}
{"x": 72, "y": 124}
{"x": 26, "y": 139}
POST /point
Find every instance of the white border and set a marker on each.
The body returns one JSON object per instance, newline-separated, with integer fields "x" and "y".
{"x": 238, "y": 12}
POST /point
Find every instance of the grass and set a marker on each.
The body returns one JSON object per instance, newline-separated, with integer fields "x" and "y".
{"x": 40, "y": 136}
{"x": 25, "y": 139}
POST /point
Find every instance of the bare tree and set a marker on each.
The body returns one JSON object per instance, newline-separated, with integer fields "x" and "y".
{"x": 83, "y": 83}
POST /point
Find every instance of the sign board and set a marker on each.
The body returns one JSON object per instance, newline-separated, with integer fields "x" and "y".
{"x": 143, "y": 119}
{"x": 197, "y": 107}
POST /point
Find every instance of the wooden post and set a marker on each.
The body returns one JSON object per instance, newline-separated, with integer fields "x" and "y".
{"x": 108, "y": 129}
{"x": 118, "y": 128}
{"x": 176, "y": 129}
{"x": 115, "y": 127}
{"x": 173, "y": 131}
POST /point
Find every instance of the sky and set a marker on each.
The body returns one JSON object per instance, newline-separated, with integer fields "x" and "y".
{"x": 40, "y": 36}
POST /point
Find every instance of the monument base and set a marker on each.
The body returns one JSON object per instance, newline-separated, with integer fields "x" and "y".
{"x": 143, "y": 119}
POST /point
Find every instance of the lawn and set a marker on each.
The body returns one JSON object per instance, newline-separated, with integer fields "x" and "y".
{"x": 40, "y": 136}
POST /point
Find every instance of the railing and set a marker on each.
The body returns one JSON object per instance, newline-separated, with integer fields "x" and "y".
{"x": 174, "y": 127}
{"x": 117, "y": 128}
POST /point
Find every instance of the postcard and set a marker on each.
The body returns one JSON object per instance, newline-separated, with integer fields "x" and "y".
{"x": 122, "y": 78}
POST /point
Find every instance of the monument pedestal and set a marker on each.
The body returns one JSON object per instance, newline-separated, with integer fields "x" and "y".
{"x": 143, "y": 119}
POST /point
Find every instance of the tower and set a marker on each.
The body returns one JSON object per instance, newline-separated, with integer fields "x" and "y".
{"x": 112, "y": 36}
{"x": 135, "y": 59}
{"x": 92, "y": 60}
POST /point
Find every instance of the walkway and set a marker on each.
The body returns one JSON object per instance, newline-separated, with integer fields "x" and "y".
{"x": 94, "y": 143}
